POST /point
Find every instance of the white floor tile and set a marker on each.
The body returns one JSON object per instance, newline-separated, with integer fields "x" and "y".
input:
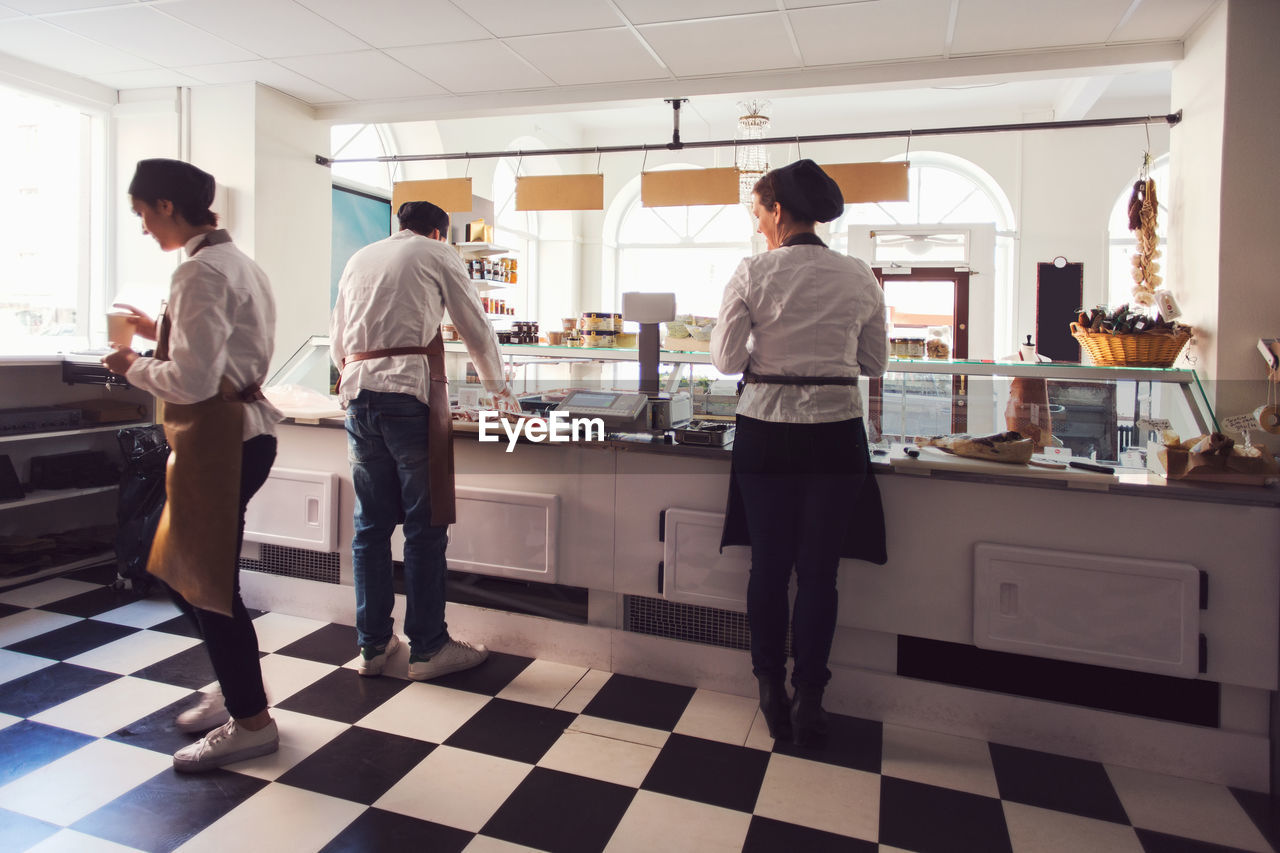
{"x": 285, "y": 675}
{"x": 42, "y": 593}
{"x": 485, "y": 844}
{"x": 1199, "y": 810}
{"x": 141, "y": 614}
{"x": 718, "y": 716}
{"x": 543, "y": 683}
{"x": 659, "y": 822}
{"x": 1034, "y": 830}
{"x": 300, "y": 735}
{"x": 82, "y": 782}
{"x": 758, "y": 737}
{"x": 15, "y": 665}
{"x": 7, "y": 720}
{"x": 112, "y": 706}
{"x": 31, "y": 623}
{"x": 822, "y": 796}
{"x": 279, "y": 818}
{"x": 70, "y": 841}
{"x": 455, "y": 787}
{"x": 276, "y": 630}
{"x": 618, "y": 731}
{"x": 601, "y": 758}
{"x": 425, "y": 711}
{"x": 584, "y": 691}
{"x": 132, "y": 653}
{"x": 942, "y": 760}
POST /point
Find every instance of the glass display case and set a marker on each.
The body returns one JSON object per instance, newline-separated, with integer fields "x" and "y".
{"x": 1096, "y": 412}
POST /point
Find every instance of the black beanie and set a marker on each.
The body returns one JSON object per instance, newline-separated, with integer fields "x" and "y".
{"x": 423, "y": 217}
{"x": 188, "y": 187}
{"x": 807, "y": 192}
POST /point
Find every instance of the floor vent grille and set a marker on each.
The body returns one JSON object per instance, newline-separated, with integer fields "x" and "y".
{"x": 691, "y": 622}
{"x": 296, "y": 563}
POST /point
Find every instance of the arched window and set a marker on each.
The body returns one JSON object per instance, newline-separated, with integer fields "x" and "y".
{"x": 363, "y": 140}
{"x": 1123, "y": 243}
{"x": 516, "y": 230}
{"x": 691, "y": 251}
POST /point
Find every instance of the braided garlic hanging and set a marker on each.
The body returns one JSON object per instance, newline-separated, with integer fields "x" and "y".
{"x": 1142, "y": 221}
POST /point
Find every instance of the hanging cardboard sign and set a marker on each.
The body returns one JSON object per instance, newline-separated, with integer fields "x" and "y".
{"x": 689, "y": 186}
{"x": 451, "y": 195}
{"x": 560, "y": 192}
{"x": 870, "y": 182}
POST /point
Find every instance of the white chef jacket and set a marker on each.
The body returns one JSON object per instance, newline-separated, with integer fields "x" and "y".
{"x": 222, "y": 323}
{"x": 393, "y": 293}
{"x": 801, "y": 310}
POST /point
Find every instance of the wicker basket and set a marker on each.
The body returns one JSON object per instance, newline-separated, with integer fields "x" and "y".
{"x": 1145, "y": 349}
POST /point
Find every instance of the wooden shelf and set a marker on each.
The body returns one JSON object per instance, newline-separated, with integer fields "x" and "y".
{"x": 42, "y": 496}
{"x": 60, "y": 568}
{"x": 62, "y": 433}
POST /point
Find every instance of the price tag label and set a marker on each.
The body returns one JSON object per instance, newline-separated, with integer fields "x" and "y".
{"x": 1057, "y": 454}
{"x": 1154, "y": 424}
{"x": 1241, "y": 423}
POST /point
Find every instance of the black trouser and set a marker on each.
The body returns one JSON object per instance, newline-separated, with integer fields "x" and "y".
{"x": 230, "y": 640}
{"x": 797, "y": 482}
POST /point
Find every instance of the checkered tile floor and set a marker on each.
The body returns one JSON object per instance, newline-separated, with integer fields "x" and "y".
{"x": 518, "y": 754}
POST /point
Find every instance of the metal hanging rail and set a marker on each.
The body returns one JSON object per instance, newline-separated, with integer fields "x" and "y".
{"x": 676, "y": 144}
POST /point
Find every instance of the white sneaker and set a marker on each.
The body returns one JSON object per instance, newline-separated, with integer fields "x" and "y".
{"x": 454, "y": 656}
{"x": 210, "y": 712}
{"x": 372, "y": 664}
{"x": 226, "y": 744}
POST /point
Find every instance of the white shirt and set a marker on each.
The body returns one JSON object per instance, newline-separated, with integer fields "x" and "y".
{"x": 393, "y": 293}
{"x": 801, "y": 310}
{"x": 222, "y": 320}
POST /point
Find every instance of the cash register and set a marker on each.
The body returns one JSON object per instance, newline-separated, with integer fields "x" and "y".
{"x": 620, "y": 411}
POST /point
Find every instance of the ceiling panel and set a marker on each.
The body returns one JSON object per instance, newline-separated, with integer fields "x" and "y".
{"x": 652, "y": 11}
{"x": 807, "y": 4}
{"x": 33, "y": 39}
{"x": 523, "y": 18}
{"x": 984, "y": 26}
{"x": 269, "y": 28}
{"x": 871, "y": 32}
{"x": 596, "y": 56}
{"x": 151, "y": 79}
{"x": 42, "y": 7}
{"x": 723, "y": 46}
{"x": 397, "y": 23}
{"x": 1163, "y": 19}
{"x": 6, "y": 12}
{"x": 366, "y": 75}
{"x": 144, "y": 31}
{"x": 474, "y": 66}
{"x": 267, "y": 73}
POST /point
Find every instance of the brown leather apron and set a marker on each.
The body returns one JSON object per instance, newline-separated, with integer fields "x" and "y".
{"x": 439, "y": 425}
{"x": 194, "y": 550}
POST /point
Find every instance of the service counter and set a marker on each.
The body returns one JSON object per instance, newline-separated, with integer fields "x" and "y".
{"x": 1166, "y": 591}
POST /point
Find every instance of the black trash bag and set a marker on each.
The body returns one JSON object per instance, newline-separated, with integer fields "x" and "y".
{"x": 142, "y": 496}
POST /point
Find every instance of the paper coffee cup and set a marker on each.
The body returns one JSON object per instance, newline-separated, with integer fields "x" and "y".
{"x": 120, "y": 328}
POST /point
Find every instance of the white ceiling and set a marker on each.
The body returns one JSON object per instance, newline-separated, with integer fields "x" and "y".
{"x": 366, "y": 60}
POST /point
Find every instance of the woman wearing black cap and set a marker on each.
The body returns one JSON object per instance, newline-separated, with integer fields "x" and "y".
{"x": 214, "y": 344}
{"x": 801, "y": 323}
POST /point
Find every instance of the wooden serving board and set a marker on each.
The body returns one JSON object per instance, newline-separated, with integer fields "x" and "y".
{"x": 936, "y": 459}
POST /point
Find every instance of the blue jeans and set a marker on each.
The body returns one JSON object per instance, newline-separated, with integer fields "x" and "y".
{"x": 387, "y": 447}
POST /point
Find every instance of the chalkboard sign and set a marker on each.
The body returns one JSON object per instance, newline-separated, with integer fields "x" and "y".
{"x": 1059, "y": 297}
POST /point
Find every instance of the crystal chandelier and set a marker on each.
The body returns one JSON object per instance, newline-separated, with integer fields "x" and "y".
{"x": 752, "y": 160}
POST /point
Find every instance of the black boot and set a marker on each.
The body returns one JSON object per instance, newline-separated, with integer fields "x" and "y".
{"x": 776, "y": 706}
{"x": 808, "y": 720}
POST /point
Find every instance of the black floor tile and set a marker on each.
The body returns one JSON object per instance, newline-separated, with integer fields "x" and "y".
{"x": 640, "y": 701}
{"x": 560, "y": 812}
{"x": 513, "y": 730}
{"x": 381, "y": 830}
{"x": 774, "y": 836}
{"x": 343, "y": 695}
{"x": 28, "y": 746}
{"x": 717, "y": 773}
{"x": 10, "y": 609}
{"x": 1056, "y": 782}
{"x": 332, "y": 644}
{"x": 188, "y": 668}
{"x": 180, "y": 625}
{"x": 850, "y": 742}
{"x": 1263, "y": 811}
{"x": 18, "y": 832}
{"x": 358, "y": 765}
{"x": 92, "y": 603}
{"x": 71, "y": 640}
{"x": 939, "y": 820}
{"x": 146, "y": 817}
{"x": 489, "y": 677}
{"x": 158, "y": 731}
{"x": 1158, "y": 842}
{"x": 104, "y": 574}
{"x": 53, "y": 685}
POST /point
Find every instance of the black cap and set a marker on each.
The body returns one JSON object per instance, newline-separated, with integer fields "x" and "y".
{"x": 807, "y": 192}
{"x": 423, "y": 217}
{"x": 179, "y": 182}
